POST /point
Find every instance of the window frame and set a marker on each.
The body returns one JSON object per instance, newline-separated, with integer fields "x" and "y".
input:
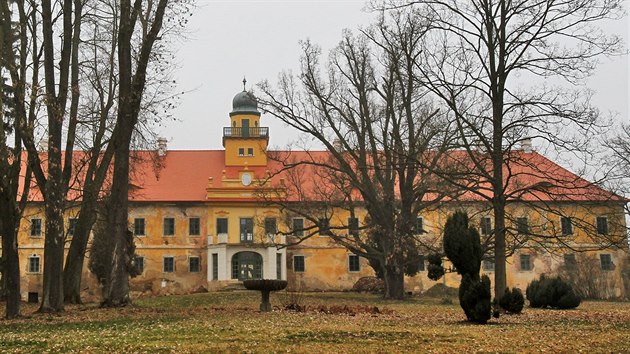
{"x": 227, "y": 224}
{"x": 29, "y": 268}
{"x": 353, "y": 226}
{"x": 485, "y": 226}
{"x": 271, "y": 231}
{"x": 570, "y": 261}
{"x": 485, "y": 263}
{"x": 164, "y": 227}
{"x": 522, "y": 228}
{"x": 72, "y": 226}
{"x": 136, "y": 225}
{"x": 215, "y": 266}
{"x": 302, "y": 263}
{"x": 566, "y": 229}
{"x": 604, "y": 225}
{"x": 530, "y": 264}
{"x": 140, "y": 270}
{"x": 190, "y": 264}
{"x": 324, "y": 227}
{"x": 164, "y": 270}
{"x": 249, "y": 222}
{"x": 607, "y": 266}
{"x": 190, "y": 226}
{"x": 241, "y": 152}
{"x": 250, "y": 152}
{"x": 39, "y": 228}
{"x": 294, "y": 232}
{"x": 354, "y": 263}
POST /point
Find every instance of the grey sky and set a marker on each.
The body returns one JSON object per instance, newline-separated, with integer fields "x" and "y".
{"x": 259, "y": 39}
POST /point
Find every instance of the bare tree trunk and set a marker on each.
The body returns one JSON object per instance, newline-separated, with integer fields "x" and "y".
{"x": 10, "y": 259}
{"x": 394, "y": 278}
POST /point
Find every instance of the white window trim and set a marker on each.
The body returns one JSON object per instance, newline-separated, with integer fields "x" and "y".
{"x": 41, "y": 228}
{"x": 28, "y": 264}
{"x": 303, "y": 226}
{"x": 164, "y": 229}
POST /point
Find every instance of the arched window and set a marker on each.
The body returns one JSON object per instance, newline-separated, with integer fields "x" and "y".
{"x": 247, "y": 265}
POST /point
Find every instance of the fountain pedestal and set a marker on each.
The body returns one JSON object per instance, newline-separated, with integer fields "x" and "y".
{"x": 265, "y": 286}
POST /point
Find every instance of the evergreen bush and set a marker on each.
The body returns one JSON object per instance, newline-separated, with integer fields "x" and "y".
{"x": 552, "y": 292}
{"x": 474, "y": 298}
{"x": 512, "y": 301}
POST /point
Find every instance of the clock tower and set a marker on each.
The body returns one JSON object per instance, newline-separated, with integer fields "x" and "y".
{"x": 245, "y": 141}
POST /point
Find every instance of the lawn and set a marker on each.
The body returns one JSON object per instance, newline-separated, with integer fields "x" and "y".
{"x": 230, "y": 322}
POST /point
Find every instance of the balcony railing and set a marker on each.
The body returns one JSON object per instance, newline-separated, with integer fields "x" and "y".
{"x": 251, "y": 132}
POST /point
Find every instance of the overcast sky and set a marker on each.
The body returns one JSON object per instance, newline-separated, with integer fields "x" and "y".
{"x": 230, "y": 39}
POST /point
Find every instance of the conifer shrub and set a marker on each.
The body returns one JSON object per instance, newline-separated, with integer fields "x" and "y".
{"x": 512, "y": 301}
{"x": 435, "y": 268}
{"x": 552, "y": 292}
{"x": 474, "y": 298}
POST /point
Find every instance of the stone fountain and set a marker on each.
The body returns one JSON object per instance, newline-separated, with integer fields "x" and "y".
{"x": 265, "y": 286}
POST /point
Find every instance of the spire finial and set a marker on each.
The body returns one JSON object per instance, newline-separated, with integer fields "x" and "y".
{"x": 244, "y": 82}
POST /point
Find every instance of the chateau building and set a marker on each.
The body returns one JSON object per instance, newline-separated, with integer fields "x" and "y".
{"x": 201, "y": 220}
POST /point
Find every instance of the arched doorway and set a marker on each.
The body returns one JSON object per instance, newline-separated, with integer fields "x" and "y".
{"x": 247, "y": 265}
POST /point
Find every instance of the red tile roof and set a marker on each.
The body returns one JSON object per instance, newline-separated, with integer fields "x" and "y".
{"x": 182, "y": 176}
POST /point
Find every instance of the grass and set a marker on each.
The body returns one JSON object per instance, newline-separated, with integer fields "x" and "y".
{"x": 230, "y": 322}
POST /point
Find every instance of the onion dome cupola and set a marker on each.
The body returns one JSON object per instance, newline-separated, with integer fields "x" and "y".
{"x": 244, "y": 103}
{"x": 245, "y": 141}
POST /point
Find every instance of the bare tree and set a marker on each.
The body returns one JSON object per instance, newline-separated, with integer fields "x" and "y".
{"x": 13, "y": 78}
{"x": 484, "y": 63}
{"x": 376, "y": 126}
{"x": 131, "y": 88}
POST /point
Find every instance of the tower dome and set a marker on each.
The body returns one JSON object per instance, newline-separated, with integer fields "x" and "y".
{"x": 244, "y": 103}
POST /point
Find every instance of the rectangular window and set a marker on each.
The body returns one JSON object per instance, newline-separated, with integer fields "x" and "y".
{"x": 353, "y": 226}
{"x": 34, "y": 264}
{"x": 353, "y": 263}
{"x": 488, "y": 265}
{"x": 250, "y": 151}
{"x": 522, "y": 226}
{"x": 324, "y": 227}
{"x": 215, "y": 266}
{"x": 138, "y": 263}
{"x": 298, "y": 227}
{"x": 169, "y": 226}
{"x": 138, "y": 227}
{"x": 194, "y": 264}
{"x": 194, "y": 226}
{"x": 526, "y": 262}
{"x": 421, "y": 266}
{"x": 418, "y": 227}
{"x": 222, "y": 226}
{"x": 298, "y": 264}
{"x": 72, "y": 225}
{"x": 241, "y": 151}
{"x": 486, "y": 226}
{"x": 278, "y": 266}
{"x": 602, "y": 225}
{"x": 566, "y": 225}
{"x": 271, "y": 226}
{"x": 36, "y": 227}
{"x": 247, "y": 229}
{"x": 169, "y": 264}
{"x": 606, "y": 261}
{"x": 569, "y": 261}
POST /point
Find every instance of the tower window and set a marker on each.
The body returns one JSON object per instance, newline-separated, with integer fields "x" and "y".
{"x": 241, "y": 151}
{"x": 250, "y": 151}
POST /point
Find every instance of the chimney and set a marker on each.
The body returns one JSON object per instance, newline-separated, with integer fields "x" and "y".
{"x": 526, "y": 145}
{"x": 162, "y": 146}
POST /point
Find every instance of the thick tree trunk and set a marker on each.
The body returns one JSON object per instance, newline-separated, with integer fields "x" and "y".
{"x": 394, "y": 278}
{"x": 10, "y": 262}
{"x": 500, "y": 275}
{"x": 52, "y": 289}
{"x": 76, "y": 254}
{"x": 116, "y": 287}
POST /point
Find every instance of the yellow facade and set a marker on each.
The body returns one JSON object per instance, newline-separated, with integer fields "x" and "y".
{"x": 228, "y": 234}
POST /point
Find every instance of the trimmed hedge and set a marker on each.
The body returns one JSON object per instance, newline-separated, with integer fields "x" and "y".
{"x": 552, "y": 292}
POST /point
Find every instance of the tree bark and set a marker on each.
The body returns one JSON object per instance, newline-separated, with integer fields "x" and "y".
{"x": 10, "y": 259}
{"x": 394, "y": 278}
